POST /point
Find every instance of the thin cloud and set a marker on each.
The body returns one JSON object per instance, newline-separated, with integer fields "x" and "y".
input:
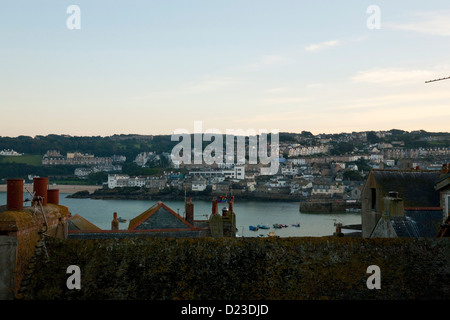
{"x": 321, "y": 46}
{"x": 431, "y": 23}
{"x": 394, "y": 76}
{"x": 267, "y": 61}
{"x": 276, "y": 90}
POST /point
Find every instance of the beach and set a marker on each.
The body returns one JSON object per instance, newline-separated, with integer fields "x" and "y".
{"x": 61, "y": 187}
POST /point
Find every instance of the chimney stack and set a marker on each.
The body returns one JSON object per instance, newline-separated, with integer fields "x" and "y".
{"x": 40, "y": 189}
{"x": 115, "y": 222}
{"x": 393, "y": 205}
{"x": 231, "y": 204}
{"x": 189, "y": 209}
{"x": 14, "y": 197}
{"x": 215, "y": 206}
{"x": 53, "y": 196}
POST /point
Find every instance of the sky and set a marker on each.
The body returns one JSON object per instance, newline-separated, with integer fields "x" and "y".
{"x": 153, "y": 67}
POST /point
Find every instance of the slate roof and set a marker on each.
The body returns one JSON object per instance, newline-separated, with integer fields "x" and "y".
{"x": 416, "y": 188}
{"x": 418, "y": 223}
{"x": 159, "y": 217}
{"x": 78, "y": 223}
{"x": 443, "y": 181}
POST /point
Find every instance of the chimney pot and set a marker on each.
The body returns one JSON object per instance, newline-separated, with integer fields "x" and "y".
{"x": 40, "y": 189}
{"x": 14, "y": 196}
{"x": 189, "y": 209}
{"x": 115, "y": 222}
{"x": 53, "y": 196}
{"x": 393, "y": 194}
{"x": 215, "y": 206}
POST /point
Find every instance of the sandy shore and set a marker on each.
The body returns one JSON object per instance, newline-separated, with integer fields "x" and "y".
{"x": 61, "y": 187}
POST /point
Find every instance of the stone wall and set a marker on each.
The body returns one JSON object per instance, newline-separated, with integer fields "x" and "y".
{"x": 27, "y": 228}
{"x": 244, "y": 269}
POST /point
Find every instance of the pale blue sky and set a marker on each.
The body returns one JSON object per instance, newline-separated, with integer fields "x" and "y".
{"x": 151, "y": 67}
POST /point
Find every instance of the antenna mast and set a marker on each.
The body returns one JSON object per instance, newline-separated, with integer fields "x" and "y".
{"x": 437, "y": 80}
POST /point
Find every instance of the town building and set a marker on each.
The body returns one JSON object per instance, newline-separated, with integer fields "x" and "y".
{"x": 401, "y": 203}
{"x": 10, "y": 153}
{"x": 237, "y": 172}
{"x": 53, "y": 157}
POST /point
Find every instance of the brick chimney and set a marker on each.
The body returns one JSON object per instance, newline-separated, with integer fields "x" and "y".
{"x": 40, "y": 189}
{"x": 115, "y": 222}
{"x": 14, "y": 196}
{"x": 189, "y": 209}
{"x": 231, "y": 204}
{"x": 53, "y": 196}
{"x": 215, "y": 206}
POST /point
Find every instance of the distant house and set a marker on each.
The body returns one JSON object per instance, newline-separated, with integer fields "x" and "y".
{"x": 160, "y": 217}
{"x": 77, "y": 223}
{"x": 161, "y": 221}
{"x": 443, "y": 187}
{"x": 199, "y": 183}
{"x": 410, "y": 194}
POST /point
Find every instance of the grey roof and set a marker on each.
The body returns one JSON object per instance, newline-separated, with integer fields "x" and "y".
{"x": 416, "y": 188}
{"x": 418, "y": 223}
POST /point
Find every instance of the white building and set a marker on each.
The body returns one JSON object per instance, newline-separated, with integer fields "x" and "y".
{"x": 83, "y": 172}
{"x": 199, "y": 184}
{"x": 238, "y": 172}
{"x": 10, "y": 153}
{"x": 328, "y": 190}
{"x": 117, "y": 180}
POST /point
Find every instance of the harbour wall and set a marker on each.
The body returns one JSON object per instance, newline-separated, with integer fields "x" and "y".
{"x": 328, "y": 206}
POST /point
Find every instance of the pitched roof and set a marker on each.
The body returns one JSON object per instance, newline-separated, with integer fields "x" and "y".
{"x": 78, "y": 223}
{"x": 159, "y": 216}
{"x": 418, "y": 223}
{"x": 416, "y": 188}
{"x": 443, "y": 181}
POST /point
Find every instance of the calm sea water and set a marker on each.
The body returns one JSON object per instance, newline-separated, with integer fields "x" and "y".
{"x": 100, "y": 213}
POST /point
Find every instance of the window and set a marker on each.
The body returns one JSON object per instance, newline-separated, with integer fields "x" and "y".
{"x": 373, "y": 198}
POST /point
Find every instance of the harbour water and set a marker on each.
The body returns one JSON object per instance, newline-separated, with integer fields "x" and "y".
{"x": 248, "y": 213}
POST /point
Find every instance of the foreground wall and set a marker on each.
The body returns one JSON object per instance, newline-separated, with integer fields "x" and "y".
{"x": 244, "y": 268}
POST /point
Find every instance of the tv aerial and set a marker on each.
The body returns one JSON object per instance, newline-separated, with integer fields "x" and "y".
{"x": 437, "y": 80}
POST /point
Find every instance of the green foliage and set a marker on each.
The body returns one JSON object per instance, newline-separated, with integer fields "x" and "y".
{"x": 32, "y": 160}
{"x": 353, "y": 175}
{"x": 20, "y": 170}
{"x": 97, "y": 178}
{"x": 100, "y": 146}
{"x": 342, "y": 148}
{"x": 363, "y": 164}
{"x": 372, "y": 137}
{"x": 133, "y": 169}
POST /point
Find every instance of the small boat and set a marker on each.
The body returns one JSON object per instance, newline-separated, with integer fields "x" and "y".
{"x": 121, "y": 219}
{"x": 296, "y": 225}
{"x": 252, "y": 228}
{"x": 263, "y": 226}
{"x": 277, "y": 226}
{"x": 272, "y": 234}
